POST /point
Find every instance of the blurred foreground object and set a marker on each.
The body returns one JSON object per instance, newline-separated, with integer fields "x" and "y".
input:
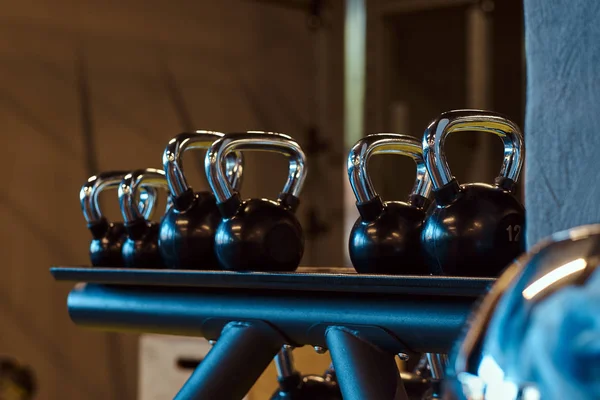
{"x": 17, "y": 382}
{"x": 536, "y": 335}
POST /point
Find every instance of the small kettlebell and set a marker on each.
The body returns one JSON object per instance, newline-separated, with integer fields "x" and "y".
{"x": 293, "y": 386}
{"x": 257, "y": 234}
{"x": 140, "y": 249}
{"x": 473, "y": 229}
{"x": 187, "y": 231}
{"x": 108, "y": 237}
{"x": 386, "y": 237}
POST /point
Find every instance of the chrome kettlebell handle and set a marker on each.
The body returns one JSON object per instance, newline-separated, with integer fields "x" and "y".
{"x": 472, "y": 120}
{"x": 131, "y": 184}
{"x": 254, "y": 141}
{"x": 173, "y": 160}
{"x": 384, "y": 143}
{"x": 88, "y": 195}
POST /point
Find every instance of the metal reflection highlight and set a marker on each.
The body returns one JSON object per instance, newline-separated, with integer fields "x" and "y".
{"x": 554, "y": 276}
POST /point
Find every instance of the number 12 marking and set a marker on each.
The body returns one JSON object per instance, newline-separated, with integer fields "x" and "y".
{"x": 514, "y": 232}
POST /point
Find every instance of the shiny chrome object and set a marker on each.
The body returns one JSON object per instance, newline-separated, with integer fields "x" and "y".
{"x": 437, "y": 364}
{"x": 384, "y": 143}
{"x": 536, "y": 334}
{"x": 173, "y": 160}
{"x": 471, "y": 120}
{"x": 284, "y": 362}
{"x": 129, "y": 188}
{"x": 254, "y": 140}
{"x": 88, "y": 195}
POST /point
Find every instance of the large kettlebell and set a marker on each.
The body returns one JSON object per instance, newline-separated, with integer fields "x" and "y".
{"x": 187, "y": 231}
{"x": 293, "y": 386}
{"x": 257, "y": 234}
{"x": 108, "y": 237}
{"x": 140, "y": 249}
{"x": 473, "y": 229}
{"x": 386, "y": 237}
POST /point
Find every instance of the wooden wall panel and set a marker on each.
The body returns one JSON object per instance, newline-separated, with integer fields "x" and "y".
{"x": 234, "y": 65}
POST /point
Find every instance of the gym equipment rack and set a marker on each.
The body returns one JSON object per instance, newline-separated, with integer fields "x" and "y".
{"x": 363, "y": 320}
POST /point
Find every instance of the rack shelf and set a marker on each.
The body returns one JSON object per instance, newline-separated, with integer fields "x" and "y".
{"x": 337, "y": 279}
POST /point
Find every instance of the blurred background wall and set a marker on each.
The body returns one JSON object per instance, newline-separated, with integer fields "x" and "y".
{"x": 92, "y": 86}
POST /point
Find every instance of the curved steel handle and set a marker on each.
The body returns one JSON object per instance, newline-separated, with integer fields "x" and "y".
{"x": 471, "y": 120}
{"x": 254, "y": 141}
{"x": 88, "y": 195}
{"x": 129, "y": 187}
{"x": 384, "y": 143}
{"x": 173, "y": 160}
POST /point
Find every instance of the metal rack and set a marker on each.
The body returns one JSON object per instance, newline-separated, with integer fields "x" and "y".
{"x": 363, "y": 320}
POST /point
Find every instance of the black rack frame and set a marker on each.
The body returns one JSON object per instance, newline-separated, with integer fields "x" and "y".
{"x": 363, "y": 320}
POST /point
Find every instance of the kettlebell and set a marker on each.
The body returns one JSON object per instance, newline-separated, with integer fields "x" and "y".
{"x": 187, "y": 231}
{"x": 416, "y": 386}
{"x": 386, "y": 237}
{"x": 108, "y": 237}
{"x": 473, "y": 229}
{"x": 257, "y": 234}
{"x": 140, "y": 249}
{"x": 294, "y": 386}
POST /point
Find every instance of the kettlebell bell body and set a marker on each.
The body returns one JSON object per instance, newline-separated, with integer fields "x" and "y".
{"x": 262, "y": 234}
{"x": 386, "y": 238}
{"x": 473, "y": 229}
{"x": 257, "y": 234}
{"x": 294, "y": 386}
{"x": 108, "y": 237}
{"x": 309, "y": 387}
{"x": 140, "y": 249}
{"x": 187, "y": 231}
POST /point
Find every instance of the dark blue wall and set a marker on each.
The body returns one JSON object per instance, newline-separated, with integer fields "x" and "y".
{"x": 563, "y": 115}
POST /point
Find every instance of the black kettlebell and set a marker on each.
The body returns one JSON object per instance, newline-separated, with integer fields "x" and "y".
{"x": 294, "y": 386}
{"x": 386, "y": 237}
{"x": 473, "y": 229}
{"x": 187, "y": 231}
{"x": 108, "y": 237}
{"x": 416, "y": 386}
{"x": 140, "y": 249}
{"x": 257, "y": 234}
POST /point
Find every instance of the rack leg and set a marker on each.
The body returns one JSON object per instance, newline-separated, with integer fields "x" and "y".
{"x": 236, "y": 361}
{"x": 363, "y": 370}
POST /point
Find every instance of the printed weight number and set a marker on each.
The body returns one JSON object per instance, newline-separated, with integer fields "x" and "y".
{"x": 514, "y": 233}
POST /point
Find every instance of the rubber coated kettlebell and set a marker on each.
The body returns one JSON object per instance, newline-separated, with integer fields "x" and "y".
{"x": 140, "y": 249}
{"x": 108, "y": 237}
{"x": 386, "y": 237}
{"x": 187, "y": 231}
{"x": 257, "y": 234}
{"x": 293, "y": 386}
{"x": 473, "y": 229}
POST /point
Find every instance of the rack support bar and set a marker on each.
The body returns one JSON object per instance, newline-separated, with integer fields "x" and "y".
{"x": 238, "y": 358}
{"x": 363, "y": 370}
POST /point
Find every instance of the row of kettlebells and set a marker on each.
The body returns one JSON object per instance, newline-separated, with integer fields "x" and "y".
{"x": 469, "y": 230}
{"x": 444, "y": 228}
{"x": 200, "y": 230}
